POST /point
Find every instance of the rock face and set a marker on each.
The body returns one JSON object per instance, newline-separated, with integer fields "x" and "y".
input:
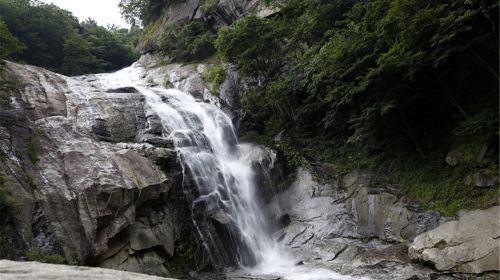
{"x": 470, "y": 244}
{"x": 214, "y": 14}
{"x": 10, "y": 270}
{"x": 341, "y": 224}
{"x": 81, "y": 187}
{"x": 380, "y": 211}
{"x": 188, "y": 78}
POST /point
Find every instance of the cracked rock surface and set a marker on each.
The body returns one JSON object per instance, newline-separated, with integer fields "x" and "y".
{"x": 325, "y": 229}
{"x": 469, "y": 245}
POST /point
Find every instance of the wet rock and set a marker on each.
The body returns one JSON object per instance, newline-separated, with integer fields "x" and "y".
{"x": 88, "y": 197}
{"x": 222, "y": 218}
{"x": 154, "y": 125}
{"x": 327, "y": 229}
{"x": 454, "y": 157}
{"x": 154, "y": 140}
{"x": 123, "y": 90}
{"x": 468, "y": 245}
{"x": 43, "y": 237}
{"x": 380, "y": 211}
{"x": 165, "y": 155}
{"x": 101, "y": 130}
{"x": 44, "y": 92}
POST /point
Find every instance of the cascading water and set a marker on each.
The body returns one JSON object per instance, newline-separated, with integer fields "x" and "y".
{"x": 207, "y": 145}
{"x": 225, "y": 200}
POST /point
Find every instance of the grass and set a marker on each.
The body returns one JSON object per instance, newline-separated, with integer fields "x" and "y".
{"x": 437, "y": 186}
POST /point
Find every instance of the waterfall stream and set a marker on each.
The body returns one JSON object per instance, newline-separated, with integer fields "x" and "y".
{"x": 222, "y": 170}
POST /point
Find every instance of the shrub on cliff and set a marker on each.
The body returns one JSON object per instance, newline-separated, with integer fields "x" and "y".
{"x": 186, "y": 42}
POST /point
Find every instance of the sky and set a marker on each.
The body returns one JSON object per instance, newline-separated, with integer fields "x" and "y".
{"x": 103, "y": 11}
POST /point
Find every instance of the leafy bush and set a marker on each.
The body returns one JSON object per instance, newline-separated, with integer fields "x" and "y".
{"x": 215, "y": 76}
{"x": 142, "y": 12}
{"x": 251, "y": 43}
{"x": 9, "y": 43}
{"x": 38, "y": 255}
{"x": 208, "y": 5}
{"x": 186, "y": 41}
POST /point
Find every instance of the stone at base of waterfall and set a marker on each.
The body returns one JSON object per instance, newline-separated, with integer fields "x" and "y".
{"x": 10, "y": 270}
{"x": 469, "y": 245}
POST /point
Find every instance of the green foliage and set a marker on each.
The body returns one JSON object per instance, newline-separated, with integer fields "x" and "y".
{"x": 41, "y": 27}
{"x": 482, "y": 122}
{"x": 168, "y": 84}
{"x": 77, "y": 56}
{"x": 215, "y": 76}
{"x": 32, "y": 152}
{"x": 251, "y": 43}
{"x": 53, "y": 38}
{"x": 367, "y": 83}
{"x": 142, "y": 12}
{"x": 9, "y": 43}
{"x": 7, "y": 211}
{"x": 186, "y": 41}
{"x": 38, "y": 255}
{"x": 6, "y": 200}
{"x": 439, "y": 187}
{"x": 109, "y": 48}
{"x": 208, "y": 5}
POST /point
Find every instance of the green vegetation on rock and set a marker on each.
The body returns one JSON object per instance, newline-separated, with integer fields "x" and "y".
{"x": 377, "y": 84}
{"x": 6, "y": 201}
{"x": 38, "y": 255}
{"x": 186, "y": 42}
{"x": 209, "y": 5}
{"x": 215, "y": 76}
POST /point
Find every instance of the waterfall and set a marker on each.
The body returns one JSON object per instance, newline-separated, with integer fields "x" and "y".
{"x": 225, "y": 203}
{"x": 218, "y": 166}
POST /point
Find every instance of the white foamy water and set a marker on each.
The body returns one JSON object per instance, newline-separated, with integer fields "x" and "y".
{"x": 221, "y": 168}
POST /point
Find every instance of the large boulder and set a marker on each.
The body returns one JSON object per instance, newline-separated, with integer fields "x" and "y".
{"x": 470, "y": 244}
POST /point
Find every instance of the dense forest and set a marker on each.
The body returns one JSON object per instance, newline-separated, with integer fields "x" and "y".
{"x": 48, "y": 36}
{"x": 387, "y": 84}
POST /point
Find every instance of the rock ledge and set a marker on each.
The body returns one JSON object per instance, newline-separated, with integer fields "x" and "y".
{"x": 41, "y": 271}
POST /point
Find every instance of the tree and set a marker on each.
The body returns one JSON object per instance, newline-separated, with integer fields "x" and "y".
{"x": 142, "y": 12}
{"x": 9, "y": 43}
{"x": 41, "y": 27}
{"x": 110, "y": 46}
{"x": 252, "y": 43}
{"x": 77, "y": 57}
